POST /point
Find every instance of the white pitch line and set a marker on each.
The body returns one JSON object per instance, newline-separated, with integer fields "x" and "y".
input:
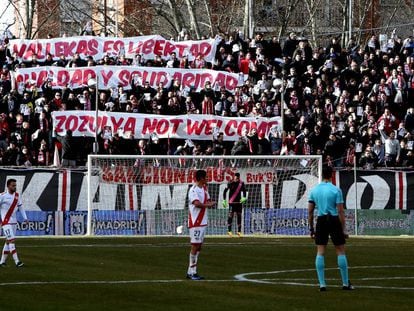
{"x": 244, "y": 277}
{"x": 108, "y": 282}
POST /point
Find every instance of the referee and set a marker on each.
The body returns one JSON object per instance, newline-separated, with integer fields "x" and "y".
{"x": 329, "y": 202}
{"x": 237, "y": 196}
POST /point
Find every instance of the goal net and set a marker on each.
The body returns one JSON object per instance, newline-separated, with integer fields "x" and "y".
{"x": 148, "y": 195}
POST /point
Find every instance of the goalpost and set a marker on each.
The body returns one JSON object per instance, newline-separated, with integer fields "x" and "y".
{"x": 147, "y": 195}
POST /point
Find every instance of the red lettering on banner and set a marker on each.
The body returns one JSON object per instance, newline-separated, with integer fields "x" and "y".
{"x": 85, "y": 120}
{"x": 107, "y": 174}
{"x": 33, "y": 48}
{"x": 48, "y": 49}
{"x": 181, "y": 49}
{"x": 221, "y": 79}
{"x": 195, "y": 128}
{"x": 179, "y": 176}
{"x": 204, "y": 77}
{"x": 40, "y": 51}
{"x": 152, "y": 78}
{"x": 231, "y": 83}
{"x": 130, "y": 125}
{"x": 72, "y": 123}
{"x": 119, "y": 175}
{"x": 82, "y": 47}
{"x": 124, "y": 77}
{"x": 107, "y": 47}
{"x": 147, "y": 175}
{"x": 194, "y": 49}
{"x": 20, "y": 52}
{"x": 158, "y": 47}
{"x": 176, "y": 123}
{"x": 93, "y": 47}
{"x": 135, "y": 49}
{"x": 228, "y": 129}
{"x": 77, "y": 77}
{"x": 218, "y": 175}
{"x": 131, "y": 178}
{"x": 103, "y": 123}
{"x": 19, "y": 78}
{"x": 42, "y": 77}
{"x": 155, "y": 174}
{"x": 70, "y": 48}
{"x": 162, "y": 78}
{"x": 262, "y": 128}
{"x": 106, "y": 76}
{"x": 205, "y": 48}
{"x": 60, "y": 121}
{"x": 177, "y": 76}
{"x": 116, "y": 123}
{"x": 59, "y": 48}
{"x": 149, "y": 126}
{"x": 209, "y": 127}
{"x": 148, "y": 46}
{"x": 243, "y": 125}
{"x": 118, "y": 45}
{"x": 169, "y": 48}
{"x": 88, "y": 74}
{"x": 163, "y": 126}
{"x": 188, "y": 79}
{"x": 166, "y": 176}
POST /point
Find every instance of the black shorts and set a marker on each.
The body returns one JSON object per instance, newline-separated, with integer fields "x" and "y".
{"x": 329, "y": 226}
{"x": 236, "y": 207}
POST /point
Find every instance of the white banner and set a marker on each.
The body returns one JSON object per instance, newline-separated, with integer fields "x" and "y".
{"x": 193, "y": 126}
{"x": 98, "y": 47}
{"x": 114, "y": 76}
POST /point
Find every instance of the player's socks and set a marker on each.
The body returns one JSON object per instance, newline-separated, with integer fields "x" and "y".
{"x": 192, "y": 267}
{"x": 343, "y": 267}
{"x": 5, "y": 253}
{"x": 239, "y": 219}
{"x": 13, "y": 251}
{"x": 320, "y": 270}
{"x": 229, "y": 224}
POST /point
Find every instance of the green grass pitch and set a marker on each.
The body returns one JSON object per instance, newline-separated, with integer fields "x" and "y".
{"x": 241, "y": 274}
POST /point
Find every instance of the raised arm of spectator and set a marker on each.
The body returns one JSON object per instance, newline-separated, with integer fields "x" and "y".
{"x": 384, "y": 136}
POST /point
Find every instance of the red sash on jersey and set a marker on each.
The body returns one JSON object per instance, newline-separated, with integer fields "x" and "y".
{"x": 200, "y": 216}
{"x": 233, "y": 197}
{"x": 11, "y": 209}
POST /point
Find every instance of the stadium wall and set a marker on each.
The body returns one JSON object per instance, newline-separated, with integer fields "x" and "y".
{"x": 56, "y": 201}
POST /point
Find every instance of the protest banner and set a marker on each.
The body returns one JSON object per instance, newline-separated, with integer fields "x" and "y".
{"x": 193, "y": 126}
{"x": 115, "y": 76}
{"x": 98, "y": 47}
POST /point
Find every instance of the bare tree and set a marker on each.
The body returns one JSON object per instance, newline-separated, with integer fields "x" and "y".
{"x": 193, "y": 20}
{"x": 27, "y": 15}
{"x": 312, "y": 6}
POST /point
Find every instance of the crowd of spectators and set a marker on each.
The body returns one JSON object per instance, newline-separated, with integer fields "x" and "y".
{"x": 353, "y": 103}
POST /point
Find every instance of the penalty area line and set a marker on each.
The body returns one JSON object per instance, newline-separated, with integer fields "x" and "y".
{"x": 290, "y": 281}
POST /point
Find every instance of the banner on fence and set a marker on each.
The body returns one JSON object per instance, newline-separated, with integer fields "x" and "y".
{"x": 39, "y": 223}
{"x": 118, "y": 223}
{"x": 97, "y": 47}
{"x": 66, "y": 190}
{"x": 384, "y": 222}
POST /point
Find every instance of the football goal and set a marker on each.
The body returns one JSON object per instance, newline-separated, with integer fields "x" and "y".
{"x": 148, "y": 195}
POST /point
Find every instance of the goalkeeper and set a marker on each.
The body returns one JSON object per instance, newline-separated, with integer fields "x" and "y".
{"x": 237, "y": 196}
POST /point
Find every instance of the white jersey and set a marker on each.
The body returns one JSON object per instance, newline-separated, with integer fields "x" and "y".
{"x": 197, "y": 216}
{"x": 9, "y": 204}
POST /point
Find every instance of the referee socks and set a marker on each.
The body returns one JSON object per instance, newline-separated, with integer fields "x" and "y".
{"x": 343, "y": 267}
{"x": 320, "y": 269}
